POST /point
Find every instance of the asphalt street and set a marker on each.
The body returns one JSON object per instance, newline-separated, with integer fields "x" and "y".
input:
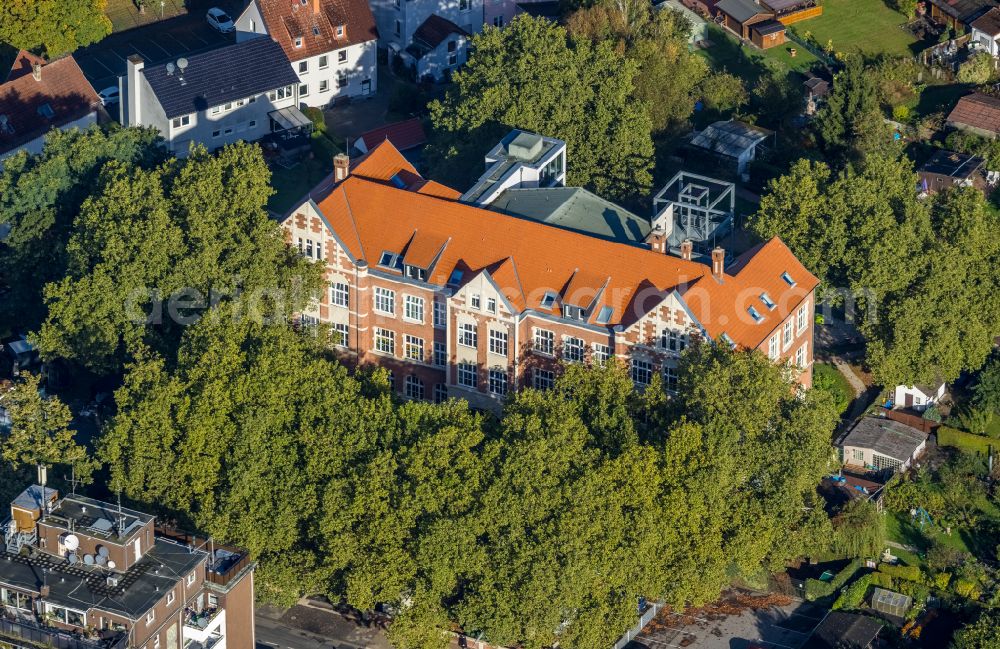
{"x": 308, "y": 626}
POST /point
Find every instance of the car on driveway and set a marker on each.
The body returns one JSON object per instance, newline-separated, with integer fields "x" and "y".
{"x": 109, "y": 96}
{"x": 220, "y": 20}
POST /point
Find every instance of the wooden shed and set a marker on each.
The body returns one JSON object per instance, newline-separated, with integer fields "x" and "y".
{"x": 738, "y": 16}
{"x": 768, "y": 33}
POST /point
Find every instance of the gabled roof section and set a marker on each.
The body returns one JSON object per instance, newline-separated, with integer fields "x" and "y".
{"x": 504, "y": 274}
{"x": 584, "y": 287}
{"x": 233, "y": 72}
{"x": 978, "y": 111}
{"x": 322, "y": 25}
{"x": 382, "y": 163}
{"x": 31, "y": 108}
{"x": 23, "y": 63}
{"x": 405, "y": 135}
{"x": 741, "y": 10}
{"x": 424, "y": 249}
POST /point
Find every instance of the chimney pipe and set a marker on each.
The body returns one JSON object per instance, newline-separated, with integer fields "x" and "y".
{"x": 134, "y": 89}
{"x": 36, "y": 71}
{"x": 657, "y": 240}
{"x": 687, "y": 247}
{"x": 341, "y": 167}
{"x": 718, "y": 263}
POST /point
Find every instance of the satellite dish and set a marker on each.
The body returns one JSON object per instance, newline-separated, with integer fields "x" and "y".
{"x": 100, "y": 560}
{"x": 170, "y": 68}
{"x": 88, "y": 559}
{"x": 182, "y": 63}
{"x": 71, "y": 557}
{"x": 112, "y": 565}
{"x": 72, "y": 542}
{"x": 102, "y": 551}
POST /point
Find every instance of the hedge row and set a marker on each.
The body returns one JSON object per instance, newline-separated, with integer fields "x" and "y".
{"x": 908, "y": 573}
{"x": 852, "y": 596}
{"x": 967, "y": 442}
{"x": 816, "y": 589}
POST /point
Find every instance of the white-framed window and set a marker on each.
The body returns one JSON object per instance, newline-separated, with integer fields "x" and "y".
{"x": 440, "y": 354}
{"x": 491, "y": 305}
{"x": 573, "y": 349}
{"x": 150, "y": 617}
{"x": 467, "y": 335}
{"x": 170, "y": 597}
{"x": 178, "y": 122}
{"x": 543, "y": 379}
{"x": 303, "y": 90}
{"x": 440, "y": 393}
{"x": 440, "y": 314}
{"x": 341, "y": 336}
{"x": 213, "y": 600}
{"x": 14, "y": 599}
{"x": 772, "y": 348}
{"x": 385, "y": 341}
{"x": 787, "y": 335}
{"x": 642, "y": 372}
{"x": 191, "y": 578}
{"x": 413, "y": 387}
{"x": 340, "y": 294}
{"x": 468, "y": 375}
{"x": 303, "y": 67}
{"x": 298, "y": 41}
{"x": 280, "y": 93}
{"x": 216, "y": 110}
{"x": 413, "y": 348}
{"x": 498, "y": 341}
{"x": 802, "y": 317}
{"x": 545, "y": 342}
{"x": 670, "y": 378}
{"x": 672, "y": 340}
{"x": 341, "y": 80}
{"x": 324, "y": 85}
{"x": 156, "y": 641}
{"x": 413, "y": 308}
{"x": 324, "y": 62}
{"x": 67, "y": 615}
{"x": 601, "y": 353}
{"x": 474, "y": 301}
{"x": 801, "y": 355}
{"x": 498, "y": 381}
{"x": 498, "y": 21}
{"x": 340, "y": 32}
{"x": 859, "y": 455}
{"x": 463, "y": 5}
{"x": 385, "y": 301}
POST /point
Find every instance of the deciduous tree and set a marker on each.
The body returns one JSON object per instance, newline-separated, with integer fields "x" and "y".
{"x": 55, "y": 26}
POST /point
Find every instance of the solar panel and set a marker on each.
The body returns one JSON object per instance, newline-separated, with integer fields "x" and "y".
{"x": 102, "y": 525}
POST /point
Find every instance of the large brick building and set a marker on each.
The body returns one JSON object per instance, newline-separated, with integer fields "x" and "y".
{"x": 78, "y": 573}
{"x": 457, "y": 300}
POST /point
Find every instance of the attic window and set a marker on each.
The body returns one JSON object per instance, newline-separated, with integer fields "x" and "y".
{"x": 397, "y": 182}
{"x": 548, "y": 300}
{"x": 298, "y": 41}
{"x": 729, "y": 341}
{"x": 391, "y": 260}
{"x": 755, "y": 314}
{"x": 315, "y": 30}
{"x": 340, "y": 31}
{"x": 572, "y": 312}
{"x": 788, "y": 279}
{"x": 766, "y": 299}
{"x": 604, "y": 315}
{"x": 45, "y": 110}
{"x": 415, "y": 272}
{"x": 456, "y": 277}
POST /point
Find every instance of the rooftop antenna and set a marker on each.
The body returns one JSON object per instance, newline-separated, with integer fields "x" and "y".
{"x": 42, "y": 479}
{"x": 182, "y": 64}
{"x": 121, "y": 516}
{"x": 72, "y": 480}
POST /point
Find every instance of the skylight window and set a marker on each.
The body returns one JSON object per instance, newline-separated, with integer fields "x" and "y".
{"x": 604, "y": 315}
{"x": 788, "y": 279}
{"x": 298, "y": 41}
{"x": 768, "y": 302}
{"x": 755, "y": 314}
{"x": 391, "y": 260}
{"x": 456, "y": 277}
{"x": 46, "y": 111}
{"x": 548, "y": 300}
{"x": 397, "y": 182}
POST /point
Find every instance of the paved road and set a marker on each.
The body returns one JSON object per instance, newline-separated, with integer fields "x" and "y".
{"x": 307, "y": 626}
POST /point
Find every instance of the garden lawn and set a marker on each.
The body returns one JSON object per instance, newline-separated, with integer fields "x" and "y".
{"x": 861, "y": 26}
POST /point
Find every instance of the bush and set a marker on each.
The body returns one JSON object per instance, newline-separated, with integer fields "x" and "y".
{"x": 853, "y": 595}
{"x": 844, "y": 575}
{"x": 966, "y": 588}
{"x": 942, "y": 580}
{"x": 883, "y": 580}
{"x": 901, "y": 113}
{"x": 816, "y": 589}
{"x": 909, "y": 573}
{"x": 933, "y": 414}
{"x": 947, "y": 436}
{"x": 977, "y": 69}
{"x": 315, "y": 116}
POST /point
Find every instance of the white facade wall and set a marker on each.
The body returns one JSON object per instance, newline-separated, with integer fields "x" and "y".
{"x": 920, "y": 400}
{"x": 320, "y": 76}
{"x": 410, "y": 14}
{"x": 985, "y": 41}
{"x": 437, "y": 61}
{"x": 35, "y": 146}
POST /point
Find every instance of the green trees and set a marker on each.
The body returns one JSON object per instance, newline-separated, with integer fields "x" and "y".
{"x": 984, "y": 633}
{"x": 530, "y": 76}
{"x": 57, "y": 26}
{"x": 924, "y": 317}
{"x": 987, "y": 389}
{"x": 977, "y": 69}
{"x": 850, "y": 124}
{"x": 859, "y": 530}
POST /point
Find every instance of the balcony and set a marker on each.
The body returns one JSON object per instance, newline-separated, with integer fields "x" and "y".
{"x": 22, "y": 633}
{"x": 204, "y": 628}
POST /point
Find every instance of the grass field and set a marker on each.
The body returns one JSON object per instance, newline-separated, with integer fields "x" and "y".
{"x": 861, "y": 26}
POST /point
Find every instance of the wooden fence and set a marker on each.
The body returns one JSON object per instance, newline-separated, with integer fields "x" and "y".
{"x": 921, "y": 424}
{"x": 798, "y": 16}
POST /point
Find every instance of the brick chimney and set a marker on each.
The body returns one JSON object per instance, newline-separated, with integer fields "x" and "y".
{"x": 718, "y": 263}
{"x": 36, "y": 71}
{"x": 687, "y": 248}
{"x": 341, "y": 167}
{"x": 316, "y": 7}
{"x": 657, "y": 240}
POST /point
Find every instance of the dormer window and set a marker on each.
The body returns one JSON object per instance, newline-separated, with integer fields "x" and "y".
{"x": 788, "y": 279}
{"x": 456, "y": 278}
{"x": 45, "y": 110}
{"x": 298, "y": 41}
{"x": 415, "y": 272}
{"x": 315, "y": 30}
{"x": 572, "y": 312}
{"x": 755, "y": 314}
{"x": 548, "y": 300}
{"x": 397, "y": 182}
{"x": 340, "y": 31}
{"x": 604, "y": 315}
{"x": 391, "y": 260}
{"x": 768, "y": 302}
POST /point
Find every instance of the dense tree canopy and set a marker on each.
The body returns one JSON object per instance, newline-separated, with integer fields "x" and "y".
{"x": 530, "y": 76}
{"x": 55, "y": 26}
{"x": 850, "y": 124}
{"x": 984, "y": 633}
{"x": 929, "y": 312}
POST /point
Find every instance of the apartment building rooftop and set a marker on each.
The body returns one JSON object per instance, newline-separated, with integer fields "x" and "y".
{"x": 307, "y": 28}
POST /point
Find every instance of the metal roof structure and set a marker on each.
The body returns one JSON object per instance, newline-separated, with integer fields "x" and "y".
{"x": 890, "y": 603}
{"x": 953, "y": 165}
{"x": 886, "y": 437}
{"x": 731, "y": 138}
{"x": 212, "y": 78}
{"x": 839, "y": 630}
{"x": 741, "y": 10}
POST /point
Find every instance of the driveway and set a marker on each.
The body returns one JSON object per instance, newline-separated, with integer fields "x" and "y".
{"x": 167, "y": 40}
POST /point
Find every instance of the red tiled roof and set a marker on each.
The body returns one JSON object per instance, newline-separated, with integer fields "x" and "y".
{"x": 316, "y": 22}
{"x": 435, "y": 29}
{"x": 23, "y": 63}
{"x": 404, "y": 135}
{"x": 978, "y": 111}
{"x": 62, "y": 88}
{"x": 527, "y": 258}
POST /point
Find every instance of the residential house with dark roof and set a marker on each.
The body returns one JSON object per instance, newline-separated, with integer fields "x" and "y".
{"x": 428, "y": 35}
{"x": 946, "y": 169}
{"x": 242, "y": 91}
{"x": 733, "y": 143}
{"x": 976, "y": 113}
{"x": 79, "y": 573}
{"x": 332, "y": 44}
{"x": 958, "y": 14}
{"x": 841, "y": 630}
{"x": 458, "y": 300}
{"x": 39, "y": 96}
{"x": 882, "y": 444}
{"x": 740, "y": 15}
{"x": 985, "y": 31}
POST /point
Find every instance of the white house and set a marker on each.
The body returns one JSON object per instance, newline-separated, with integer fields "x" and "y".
{"x": 985, "y": 31}
{"x": 438, "y": 47}
{"x": 332, "y": 44}
{"x": 399, "y": 20}
{"x": 242, "y": 91}
{"x": 918, "y": 397}
{"x": 40, "y": 96}
{"x": 521, "y": 160}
